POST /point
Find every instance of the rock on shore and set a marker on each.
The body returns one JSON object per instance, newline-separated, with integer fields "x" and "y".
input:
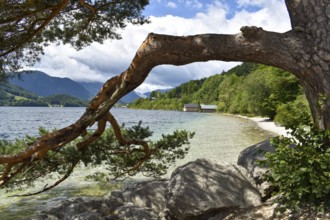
{"x": 199, "y": 190}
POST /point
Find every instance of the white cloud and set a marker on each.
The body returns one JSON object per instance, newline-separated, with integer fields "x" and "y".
{"x": 194, "y": 4}
{"x": 99, "y": 62}
{"x": 60, "y": 61}
{"x": 171, "y": 5}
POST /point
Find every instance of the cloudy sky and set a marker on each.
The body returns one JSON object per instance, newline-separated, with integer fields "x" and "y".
{"x": 100, "y": 62}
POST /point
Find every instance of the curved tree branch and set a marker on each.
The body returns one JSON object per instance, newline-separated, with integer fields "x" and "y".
{"x": 101, "y": 124}
{"x": 253, "y": 44}
{"x": 124, "y": 141}
{"x": 7, "y": 175}
{"x": 88, "y": 6}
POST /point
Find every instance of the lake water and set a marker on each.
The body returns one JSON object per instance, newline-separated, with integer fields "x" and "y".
{"x": 219, "y": 137}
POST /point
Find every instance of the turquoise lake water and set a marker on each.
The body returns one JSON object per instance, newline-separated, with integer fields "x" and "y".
{"x": 218, "y": 137}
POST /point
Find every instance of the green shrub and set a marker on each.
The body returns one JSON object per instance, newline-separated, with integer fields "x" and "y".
{"x": 301, "y": 173}
{"x": 221, "y": 106}
{"x": 294, "y": 113}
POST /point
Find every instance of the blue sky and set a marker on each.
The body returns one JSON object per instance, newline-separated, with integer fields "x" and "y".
{"x": 181, "y": 8}
{"x": 189, "y": 8}
{"x": 100, "y": 62}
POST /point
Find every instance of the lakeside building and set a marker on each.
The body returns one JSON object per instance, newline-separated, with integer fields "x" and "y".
{"x": 208, "y": 108}
{"x": 191, "y": 108}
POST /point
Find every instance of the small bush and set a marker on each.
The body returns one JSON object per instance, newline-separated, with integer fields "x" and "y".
{"x": 294, "y": 113}
{"x": 301, "y": 173}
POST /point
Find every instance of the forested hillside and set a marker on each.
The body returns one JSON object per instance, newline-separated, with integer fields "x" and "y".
{"x": 64, "y": 100}
{"x": 13, "y": 95}
{"x": 248, "y": 89}
{"x": 44, "y": 85}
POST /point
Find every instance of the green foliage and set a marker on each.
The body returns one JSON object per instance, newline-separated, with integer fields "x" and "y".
{"x": 208, "y": 92}
{"x": 120, "y": 160}
{"x": 227, "y": 93}
{"x": 23, "y": 102}
{"x": 242, "y": 69}
{"x": 64, "y": 100}
{"x": 248, "y": 89}
{"x": 300, "y": 169}
{"x": 185, "y": 89}
{"x": 12, "y": 95}
{"x": 266, "y": 88}
{"x": 14, "y": 90}
{"x": 157, "y": 104}
{"x": 294, "y": 113}
{"x": 164, "y": 152}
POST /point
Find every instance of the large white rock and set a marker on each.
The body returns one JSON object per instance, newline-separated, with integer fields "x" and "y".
{"x": 202, "y": 188}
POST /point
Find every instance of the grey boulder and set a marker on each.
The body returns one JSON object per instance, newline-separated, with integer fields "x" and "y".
{"x": 202, "y": 188}
{"x": 249, "y": 158}
{"x": 147, "y": 194}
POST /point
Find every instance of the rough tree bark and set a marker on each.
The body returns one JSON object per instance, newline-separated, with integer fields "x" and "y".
{"x": 310, "y": 22}
{"x": 303, "y": 51}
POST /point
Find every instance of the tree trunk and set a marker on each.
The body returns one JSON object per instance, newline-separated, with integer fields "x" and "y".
{"x": 318, "y": 98}
{"x": 310, "y": 20}
{"x": 304, "y": 51}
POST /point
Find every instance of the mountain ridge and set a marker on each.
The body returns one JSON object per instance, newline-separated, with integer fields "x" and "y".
{"x": 94, "y": 87}
{"x": 13, "y": 95}
{"x": 42, "y": 84}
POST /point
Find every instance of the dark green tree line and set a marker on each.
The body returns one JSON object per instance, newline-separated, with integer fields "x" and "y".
{"x": 256, "y": 90}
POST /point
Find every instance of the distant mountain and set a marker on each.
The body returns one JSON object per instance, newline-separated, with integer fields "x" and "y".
{"x": 162, "y": 91}
{"x": 9, "y": 91}
{"x": 130, "y": 97}
{"x": 13, "y": 95}
{"x": 94, "y": 87}
{"x": 44, "y": 85}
